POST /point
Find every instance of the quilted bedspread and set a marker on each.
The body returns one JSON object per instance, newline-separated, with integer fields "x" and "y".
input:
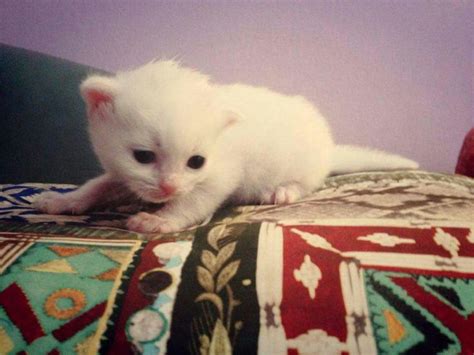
{"x": 370, "y": 263}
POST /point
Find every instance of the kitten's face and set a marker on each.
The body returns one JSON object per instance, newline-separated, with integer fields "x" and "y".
{"x": 160, "y": 143}
{"x": 156, "y": 161}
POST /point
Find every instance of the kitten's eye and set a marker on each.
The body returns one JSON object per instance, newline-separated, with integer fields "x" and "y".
{"x": 196, "y": 162}
{"x": 144, "y": 156}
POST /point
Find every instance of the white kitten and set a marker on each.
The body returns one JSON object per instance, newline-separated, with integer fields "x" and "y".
{"x": 168, "y": 134}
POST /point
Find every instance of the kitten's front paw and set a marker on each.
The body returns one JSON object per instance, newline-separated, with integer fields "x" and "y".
{"x": 283, "y": 194}
{"x": 144, "y": 222}
{"x": 56, "y": 203}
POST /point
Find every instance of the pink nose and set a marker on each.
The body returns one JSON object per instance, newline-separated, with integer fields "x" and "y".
{"x": 167, "y": 189}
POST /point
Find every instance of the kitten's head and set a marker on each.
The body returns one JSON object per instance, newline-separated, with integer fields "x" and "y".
{"x": 156, "y": 128}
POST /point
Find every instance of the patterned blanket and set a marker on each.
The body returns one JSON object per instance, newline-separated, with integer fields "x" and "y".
{"x": 370, "y": 263}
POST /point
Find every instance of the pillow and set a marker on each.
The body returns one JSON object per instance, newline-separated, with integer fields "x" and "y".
{"x": 465, "y": 165}
{"x": 43, "y": 135}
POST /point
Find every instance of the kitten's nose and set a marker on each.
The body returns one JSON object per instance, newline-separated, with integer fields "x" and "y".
{"x": 167, "y": 189}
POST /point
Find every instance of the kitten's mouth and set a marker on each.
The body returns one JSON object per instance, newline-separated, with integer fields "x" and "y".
{"x": 158, "y": 196}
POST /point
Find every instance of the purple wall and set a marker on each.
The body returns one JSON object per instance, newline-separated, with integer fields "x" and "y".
{"x": 393, "y": 75}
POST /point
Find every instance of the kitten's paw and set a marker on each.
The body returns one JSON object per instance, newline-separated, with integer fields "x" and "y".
{"x": 144, "y": 222}
{"x": 284, "y": 194}
{"x": 56, "y": 203}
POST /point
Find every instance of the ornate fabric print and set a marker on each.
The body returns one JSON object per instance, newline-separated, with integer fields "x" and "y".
{"x": 51, "y": 298}
{"x": 385, "y": 239}
{"x": 388, "y": 297}
{"x": 217, "y": 297}
{"x": 15, "y": 206}
{"x": 370, "y": 263}
{"x": 142, "y": 322}
{"x": 416, "y": 197}
{"x": 269, "y": 287}
{"x": 309, "y": 275}
{"x": 447, "y": 241}
{"x": 433, "y": 318}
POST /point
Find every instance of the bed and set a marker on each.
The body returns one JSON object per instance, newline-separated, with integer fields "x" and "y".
{"x": 376, "y": 262}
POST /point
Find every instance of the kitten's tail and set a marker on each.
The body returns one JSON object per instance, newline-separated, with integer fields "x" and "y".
{"x": 349, "y": 159}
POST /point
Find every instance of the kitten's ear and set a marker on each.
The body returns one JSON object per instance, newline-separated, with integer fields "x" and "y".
{"x": 97, "y": 91}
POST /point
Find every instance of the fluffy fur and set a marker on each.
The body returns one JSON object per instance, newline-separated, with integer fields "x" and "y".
{"x": 259, "y": 146}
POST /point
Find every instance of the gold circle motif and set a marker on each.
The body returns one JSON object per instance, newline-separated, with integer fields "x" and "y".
{"x": 77, "y": 297}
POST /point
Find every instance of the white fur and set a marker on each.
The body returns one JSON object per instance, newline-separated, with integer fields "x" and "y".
{"x": 349, "y": 158}
{"x": 260, "y": 146}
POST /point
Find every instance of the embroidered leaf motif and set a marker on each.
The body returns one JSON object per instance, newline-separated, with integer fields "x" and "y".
{"x": 224, "y": 254}
{"x": 204, "y": 344}
{"x": 220, "y": 343}
{"x": 213, "y": 298}
{"x": 205, "y": 279}
{"x": 217, "y": 233}
{"x": 209, "y": 261}
{"x": 227, "y": 274}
